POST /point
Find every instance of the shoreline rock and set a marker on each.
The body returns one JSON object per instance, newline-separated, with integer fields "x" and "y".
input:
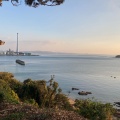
{"x": 84, "y": 93}
{"x": 75, "y": 88}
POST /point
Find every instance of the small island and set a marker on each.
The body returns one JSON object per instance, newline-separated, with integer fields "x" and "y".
{"x": 117, "y": 56}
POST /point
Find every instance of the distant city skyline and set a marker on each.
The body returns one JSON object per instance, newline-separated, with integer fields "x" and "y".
{"x": 85, "y": 27}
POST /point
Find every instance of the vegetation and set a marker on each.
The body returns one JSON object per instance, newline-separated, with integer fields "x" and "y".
{"x": 39, "y": 93}
{"x": 2, "y": 42}
{"x": 7, "y": 94}
{"x": 35, "y": 3}
{"x": 94, "y": 110}
{"x": 14, "y": 116}
{"x": 46, "y": 95}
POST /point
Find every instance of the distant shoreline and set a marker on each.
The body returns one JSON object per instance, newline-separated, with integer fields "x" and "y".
{"x": 19, "y": 55}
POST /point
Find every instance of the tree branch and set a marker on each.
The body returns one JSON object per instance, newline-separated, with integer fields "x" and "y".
{"x": 35, "y": 3}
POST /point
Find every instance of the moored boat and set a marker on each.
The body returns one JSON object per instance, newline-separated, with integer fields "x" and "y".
{"x": 20, "y": 62}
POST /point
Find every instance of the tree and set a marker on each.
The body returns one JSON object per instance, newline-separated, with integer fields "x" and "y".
{"x": 35, "y": 3}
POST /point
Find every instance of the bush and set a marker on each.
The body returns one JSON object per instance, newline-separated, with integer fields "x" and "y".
{"x": 32, "y": 102}
{"x": 9, "y": 79}
{"x": 7, "y": 94}
{"x": 94, "y": 110}
{"x": 6, "y": 76}
{"x": 62, "y": 102}
{"x": 46, "y": 95}
{"x": 39, "y": 92}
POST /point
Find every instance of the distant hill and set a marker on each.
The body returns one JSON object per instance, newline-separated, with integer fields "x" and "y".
{"x": 49, "y": 53}
{"x": 117, "y": 56}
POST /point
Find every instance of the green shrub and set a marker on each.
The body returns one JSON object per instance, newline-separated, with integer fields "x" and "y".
{"x": 62, "y": 102}
{"x": 7, "y": 94}
{"x": 39, "y": 92}
{"x": 44, "y": 94}
{"x": 32, "y": 102}
{"x": 6, "y": 76}
{"x": 11, "y": 81}
{"x": 94, "y": 110}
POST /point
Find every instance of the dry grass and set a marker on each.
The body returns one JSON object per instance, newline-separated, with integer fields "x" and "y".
{"x": 30, "y": 112}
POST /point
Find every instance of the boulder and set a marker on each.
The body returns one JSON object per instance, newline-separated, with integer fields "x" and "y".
{"x": 84, "y": 93}
{"x": 75, "y": 89}
{"x": 117, "y": 56}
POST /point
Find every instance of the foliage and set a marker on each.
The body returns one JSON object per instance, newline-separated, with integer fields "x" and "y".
{"x": 35, "y": 3}
{"x": 62, "y": 102}
{"x": 1, "y": 42}
{"x": 46, "y": 94}
{"x": 32, "y": 102}
{"x": 11, "y": 81}
{"x": 14, "y": 116}
{"x": 7, "y": 94}
{"x": 94, "y": 110}
{"x": 6, "y": 75}
{"x": 39, "y": 92}
{"x": 33, "y": 90}
{"x": 9, "y": 78}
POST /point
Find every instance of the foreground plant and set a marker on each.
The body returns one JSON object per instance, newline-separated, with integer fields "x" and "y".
{"x": 94, "y": 110}
{"x": 45, "y": 95}
{"x": 36, "y": 92}
{"x": 7, "y": 94}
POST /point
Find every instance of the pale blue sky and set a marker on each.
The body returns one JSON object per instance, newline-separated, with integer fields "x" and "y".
{"x": 77, "y": 26}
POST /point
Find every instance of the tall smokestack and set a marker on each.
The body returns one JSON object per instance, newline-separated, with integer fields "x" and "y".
{"x": 17, "y": 44}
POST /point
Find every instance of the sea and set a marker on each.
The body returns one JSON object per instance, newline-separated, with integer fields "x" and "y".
{"x": 99, "y": 74}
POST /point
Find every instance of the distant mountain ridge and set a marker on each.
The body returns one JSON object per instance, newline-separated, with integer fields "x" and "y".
{"x": 49, "y": 53}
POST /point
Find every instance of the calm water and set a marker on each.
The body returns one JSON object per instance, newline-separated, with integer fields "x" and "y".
{"x": 89, "y": 73}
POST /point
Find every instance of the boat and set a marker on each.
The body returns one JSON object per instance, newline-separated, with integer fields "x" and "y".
{"x": 20, "y": 62}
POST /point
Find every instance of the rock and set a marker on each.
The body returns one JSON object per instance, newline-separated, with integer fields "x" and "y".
{"x": 75, "y": 89}
{"x": 84, "y": 93}
{"x": 117, "y": 56}
{"x": 88, "y": 92}
{"x": 117, "y": 104}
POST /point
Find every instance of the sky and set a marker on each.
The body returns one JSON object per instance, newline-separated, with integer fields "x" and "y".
{"x": 77, "y": 26}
